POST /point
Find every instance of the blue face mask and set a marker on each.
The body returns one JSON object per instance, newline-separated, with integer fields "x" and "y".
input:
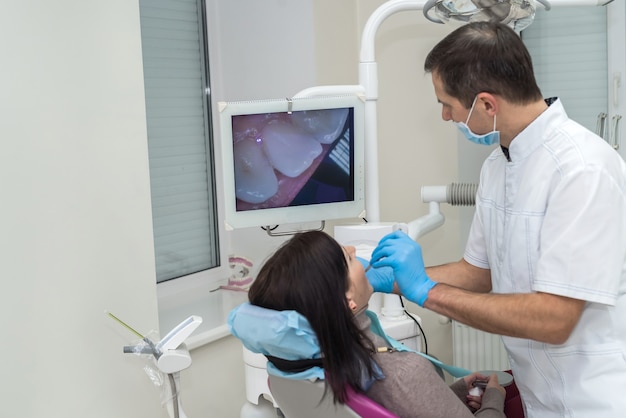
{"x": 489, "y": 138}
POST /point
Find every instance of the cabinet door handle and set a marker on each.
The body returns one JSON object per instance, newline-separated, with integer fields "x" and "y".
{"x": 616, "y": 131}
{"x": 601, "y": 125}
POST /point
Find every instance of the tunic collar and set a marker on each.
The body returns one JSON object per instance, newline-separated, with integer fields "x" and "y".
{"x": 538, "y": 131}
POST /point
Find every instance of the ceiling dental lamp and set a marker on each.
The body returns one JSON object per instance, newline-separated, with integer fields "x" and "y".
{"x": 516, "y": 13}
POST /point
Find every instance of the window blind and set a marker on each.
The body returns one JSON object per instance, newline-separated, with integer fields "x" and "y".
{"x": 569, "y": 50}
{"x": 179, "y": 137}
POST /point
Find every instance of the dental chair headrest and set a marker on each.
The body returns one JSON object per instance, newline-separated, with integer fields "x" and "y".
{"x": 285, "y": 335}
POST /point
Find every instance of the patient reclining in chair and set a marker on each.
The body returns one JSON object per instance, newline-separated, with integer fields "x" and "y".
{"x": 325, "y": 284}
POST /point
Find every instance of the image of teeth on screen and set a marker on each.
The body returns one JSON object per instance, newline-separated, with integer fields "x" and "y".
{"x": 292, "y": 158}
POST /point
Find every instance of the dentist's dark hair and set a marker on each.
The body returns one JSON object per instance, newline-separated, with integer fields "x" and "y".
{"x": 484, "y": 57}
{"x": 309, "y": 274}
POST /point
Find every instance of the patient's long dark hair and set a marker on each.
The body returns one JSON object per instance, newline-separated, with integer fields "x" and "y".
{"x": 309, "y": 274}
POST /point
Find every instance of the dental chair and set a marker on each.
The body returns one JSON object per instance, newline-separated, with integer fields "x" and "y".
{"x": 286, "y": 335}
{"x": 296, "y": 378}
{"x": 305, "y": 399}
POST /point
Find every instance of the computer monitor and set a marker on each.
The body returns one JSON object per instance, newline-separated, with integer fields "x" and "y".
{"x": 290, "y": 161}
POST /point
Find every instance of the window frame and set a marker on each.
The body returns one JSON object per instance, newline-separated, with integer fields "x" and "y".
{"x": 174, "y": 295}
{"x": 210, "y": 278}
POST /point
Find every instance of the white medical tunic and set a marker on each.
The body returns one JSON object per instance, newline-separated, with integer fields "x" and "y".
{"x": 553, "y": 220}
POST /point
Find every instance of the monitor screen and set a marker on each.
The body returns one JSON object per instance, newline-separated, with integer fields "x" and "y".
{"x": 290, "y": 161}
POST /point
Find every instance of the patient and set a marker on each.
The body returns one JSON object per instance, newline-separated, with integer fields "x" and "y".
{"x": 325, "y": 282}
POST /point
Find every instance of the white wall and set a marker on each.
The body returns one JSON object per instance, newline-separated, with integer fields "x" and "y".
{"x": 76, "y": 231}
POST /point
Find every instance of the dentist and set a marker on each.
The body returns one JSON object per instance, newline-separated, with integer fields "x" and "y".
{"x": 544, "y": 264}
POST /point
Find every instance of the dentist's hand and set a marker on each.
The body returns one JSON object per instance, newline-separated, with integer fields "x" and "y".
{"x": 398, "y": 251}
{"x": 381, "y": 279}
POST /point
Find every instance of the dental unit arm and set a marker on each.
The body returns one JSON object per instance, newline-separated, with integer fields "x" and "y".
{"x": 368, "y": 88}
{"x": 171, "y": 356}
{"x": 454, "y": 193}
{"x": 174, "y": 354}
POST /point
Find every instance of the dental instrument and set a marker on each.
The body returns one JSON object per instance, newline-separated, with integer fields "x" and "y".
{"x": 170, "y": 355}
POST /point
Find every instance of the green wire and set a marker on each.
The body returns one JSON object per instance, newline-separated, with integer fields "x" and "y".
{"x": 128, "y": 327}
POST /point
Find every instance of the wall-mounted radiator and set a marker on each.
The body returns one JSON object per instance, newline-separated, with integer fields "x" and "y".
{"x": 477, "y": 350}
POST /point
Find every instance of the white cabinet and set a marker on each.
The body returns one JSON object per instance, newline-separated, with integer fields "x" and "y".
{"x": 579, "y": 55}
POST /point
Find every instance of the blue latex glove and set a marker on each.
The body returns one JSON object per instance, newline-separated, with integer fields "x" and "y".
{"x": 398, "y": 251}
{"x": 381, "y": 279}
